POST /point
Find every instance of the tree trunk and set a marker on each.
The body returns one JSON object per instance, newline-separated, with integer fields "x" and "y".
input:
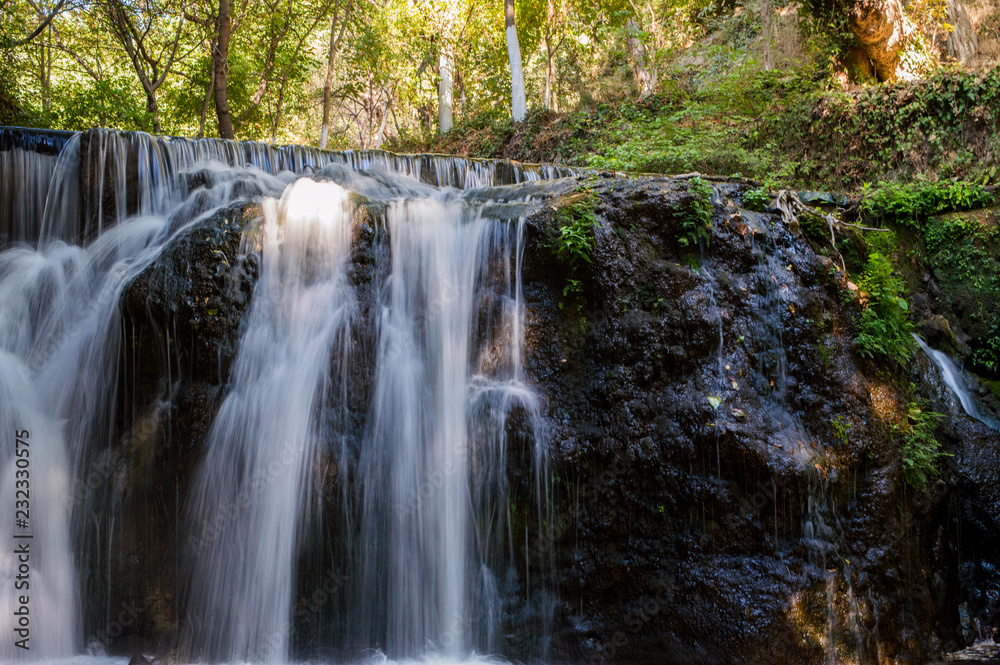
{"x": 519, "y": 107}
{"x": 549, "y": 56}
{"x": 884, "y": 31}
{"x": 445, "y": 93}
{"x": 767, "y": 33}
{"x": 154, "y": 110}
{"x": 645, "y": 78}
{"x": 277, "y": 109}
{"x": 324, "y": 133}
{"x": 377, "y": 139}
{"x": 45, "y": 70}
{"x": 461, "y": 92}
{"x": 220, "y": 63}
{"x": 963, "y": 43}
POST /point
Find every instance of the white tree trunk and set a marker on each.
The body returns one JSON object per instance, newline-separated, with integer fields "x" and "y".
{"x": 645, "y": 77}
{"x": 548, "y": 74}
{"x": 963, "y": 43}
{"x": 445, "y": 119}
{"x": 766, "y": 34}
{"x": 519, "y": 106}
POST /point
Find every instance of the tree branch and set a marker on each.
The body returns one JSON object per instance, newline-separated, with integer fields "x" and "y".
{"x": 38, "y": 30}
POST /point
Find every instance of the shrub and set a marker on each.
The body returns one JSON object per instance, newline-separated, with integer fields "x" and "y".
{"x": 756, "y": 199}
{"x": 883, "y": 328}
{"x": 911, "y": 204}
{"x": 920, "y": 449}
{"x": 696, "y": 217}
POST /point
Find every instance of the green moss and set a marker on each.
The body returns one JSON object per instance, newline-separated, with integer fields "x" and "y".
{"x": 993, "y": 386}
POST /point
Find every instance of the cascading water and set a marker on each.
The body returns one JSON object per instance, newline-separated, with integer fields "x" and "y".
{"x": 27, "y": 162}
{"x": 822, "y": 530}
{"x": 442, "y": 397}
{"x": 952, "y": 375}
{"x": 426, "y": 531}
{"x": 62, "y": 330}
{"x": 250, "y": 491}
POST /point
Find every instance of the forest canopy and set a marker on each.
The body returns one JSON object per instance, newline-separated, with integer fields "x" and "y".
{"x": 371, "y": 73}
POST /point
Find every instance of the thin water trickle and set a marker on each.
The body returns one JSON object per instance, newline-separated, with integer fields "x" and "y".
{"x": 954, "y": 378}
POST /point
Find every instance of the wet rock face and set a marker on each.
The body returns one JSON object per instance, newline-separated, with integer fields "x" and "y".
{"x": 728, "y": 486}
{"x": 194, "y": 296}
{"x": 181, "y": 321}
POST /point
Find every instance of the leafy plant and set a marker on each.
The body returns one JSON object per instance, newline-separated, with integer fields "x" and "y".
{"x": 573, "y": 288}
{"x": 912, "y": 203}
{"x": 574, "y": 241}
{"x": 576, "y": 232}
{"x": 883, "y": 327}
{"x": 921, "y": 450}
{"x": 841, "y": 427}
{"x": 696, "y": 216}
{"x": 756, "y": 199}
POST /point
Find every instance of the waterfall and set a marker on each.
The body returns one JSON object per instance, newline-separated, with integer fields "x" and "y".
{"x": 65, "y": 186}
{"x": 28, "y": 160}
{"x": 426, "y": 530}
{"x": 250, "y": 490}
{"x": 431, "y": 473}
{"x": 439, "y": 414}
{"x": 953, "y": 377}
{"x": 60, "y": 337}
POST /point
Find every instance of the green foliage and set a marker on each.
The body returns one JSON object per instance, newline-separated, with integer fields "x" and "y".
{"x": 921, "y": 450}
{"x": 575, "y": 241}
{"x": 885, "y": 242}
{"x": 757, "y": 199}
{"x": 704, "y": 125}
{"x": 883, "y": 327}
{"x": 105, "y": 103}
{"x": 964, "y": 254}
{"x": 696, "y": 216}
{"x": 824, "y": 23}
{"x": 940, "y": 127}
{"x": 912, "y": 203}
{"x": 841, "y": 427}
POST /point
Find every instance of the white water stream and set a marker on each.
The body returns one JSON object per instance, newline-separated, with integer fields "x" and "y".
{"x": 431, "y": 481}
